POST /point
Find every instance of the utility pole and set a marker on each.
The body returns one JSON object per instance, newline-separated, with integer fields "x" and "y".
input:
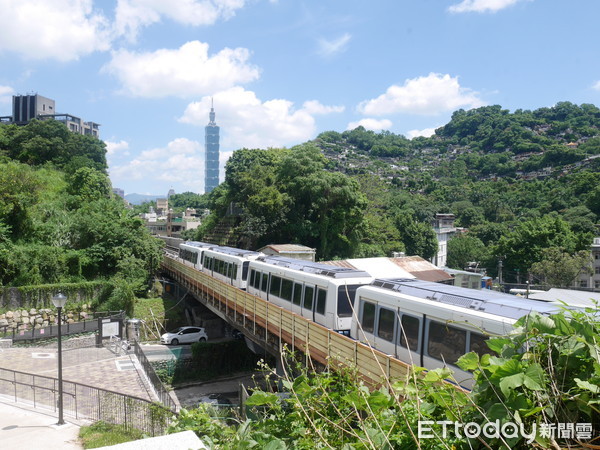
{"x": 500, "y": 271}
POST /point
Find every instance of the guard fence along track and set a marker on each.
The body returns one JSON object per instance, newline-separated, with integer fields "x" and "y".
{"x": 275, "y": 327}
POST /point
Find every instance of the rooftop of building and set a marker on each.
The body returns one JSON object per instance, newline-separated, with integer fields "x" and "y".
{"x": 288, "y": 248}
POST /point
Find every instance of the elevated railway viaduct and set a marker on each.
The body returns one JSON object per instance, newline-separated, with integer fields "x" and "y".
{"x": 272, "y": 327}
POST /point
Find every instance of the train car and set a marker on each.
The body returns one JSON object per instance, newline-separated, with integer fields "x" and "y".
{"x": 432, "y": 325}
{"x": 191, "y": 251}
{"x": 228, "y": 264}
{"x": 171, "y": 243}
{"x": 320, "y": 292}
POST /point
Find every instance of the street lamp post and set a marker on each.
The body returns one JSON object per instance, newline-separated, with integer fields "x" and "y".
{"x": 59, "y": 301}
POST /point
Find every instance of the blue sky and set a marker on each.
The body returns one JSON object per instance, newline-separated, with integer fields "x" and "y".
{"x": 282, "y": 71}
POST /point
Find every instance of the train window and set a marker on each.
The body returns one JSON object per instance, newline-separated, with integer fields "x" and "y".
{"x": 321, "y": 301}
{"x": 286, "y": 289}
{"x": 477, "y": 343}
{"x": 385, "y": 325}
{"x": 346, "y": 296}
{"x": 445, "y": 342}
{"x": 219, "y": 266}
{"x": 275, "y": 286}
{"x": 297, "y": 297}
{"x": 265, "y": 282}
{"x": 252, "y": 274}
{"x": 235, "y": 271}
{"x": 309, "y": 293}
{"x": 256, "y": 282}
{"x": 245, "y": 266}
{"x": 409, "y": 333}
{"x": 368, "y": 317}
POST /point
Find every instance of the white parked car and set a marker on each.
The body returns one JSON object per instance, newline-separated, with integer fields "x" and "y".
{"x": 184, "y": 335}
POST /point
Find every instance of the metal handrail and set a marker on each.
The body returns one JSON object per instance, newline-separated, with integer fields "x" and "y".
{"x": 83, "y": 401}
{"x": 161, "y": 391}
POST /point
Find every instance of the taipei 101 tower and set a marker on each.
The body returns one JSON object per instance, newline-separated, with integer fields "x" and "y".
{"x": 211, "y": 141}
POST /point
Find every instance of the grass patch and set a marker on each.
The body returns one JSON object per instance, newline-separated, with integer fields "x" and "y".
{"x": 162, "y": 313}
{"x": 101, "y": 434}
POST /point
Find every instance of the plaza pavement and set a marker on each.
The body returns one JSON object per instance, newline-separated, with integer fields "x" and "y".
{"x": 22, "y": 427}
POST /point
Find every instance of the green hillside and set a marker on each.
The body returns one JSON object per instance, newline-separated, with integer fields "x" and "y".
{"x": 526, "y": 178}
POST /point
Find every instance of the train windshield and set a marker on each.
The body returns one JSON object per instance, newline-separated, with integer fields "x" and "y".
{"x": 345, "y": 302}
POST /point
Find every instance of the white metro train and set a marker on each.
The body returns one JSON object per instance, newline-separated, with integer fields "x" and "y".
{"x": 319, "y": 292}
{"x": 431, "y": 324}
{"x": 423, "y": 323}
{"x": 228, "y": 264}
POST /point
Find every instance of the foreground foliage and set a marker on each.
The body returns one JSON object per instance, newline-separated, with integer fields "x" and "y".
{"x": 547, "y": 371}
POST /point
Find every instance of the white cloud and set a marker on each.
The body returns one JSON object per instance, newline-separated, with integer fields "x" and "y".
{"x": 315, "y": 107}
{"x": 59, "y": 29}
{"x": 596, "y": 85}
{"x": 426, "y": 132}
{"x": 131, "y": 15}
{"x": 329, "y": 48}
{"x": 371, "y": 124}
{"x": 180, "y": 162}
{"x": 6, "y": 93}
{"x": 482, "y": 5}
{"x": 247, "y": 121}
{"x": 113, "y": 148}
{"x": 187, "y": 71}
{"x": 430, "y": 95}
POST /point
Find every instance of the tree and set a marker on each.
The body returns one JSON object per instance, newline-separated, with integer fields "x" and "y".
{"x": 19, "y": 191}
{"x": 525, "y": 245}
{"x": 418, "y": 237}
{"x": 463, "y": 249}
{"x": 188, "y": 200}
{"x": 88, "y": 185}
{"x": 558, "y": 268}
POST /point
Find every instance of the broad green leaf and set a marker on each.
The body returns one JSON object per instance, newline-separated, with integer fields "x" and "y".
{"x": 275, "y": 444}
{"x": 587, "y": 386}
{"x": 470, "y": 361}
{"x": 378, "y": 401}
{"x": 259, "y": 398}
{"x": 511, "y": 382}
{"x": 497, "y": 344}
{"x": 534, "y": 377}
{"x": 508, "y": 368}
{"x": 498, "y": 411}
{"x": 437, "y": 375}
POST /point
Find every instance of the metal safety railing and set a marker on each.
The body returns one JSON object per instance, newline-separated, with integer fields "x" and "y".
{"x": 81, "y": 401}
{"x": 276, "y": 326}
{"x": 157, "y": 384}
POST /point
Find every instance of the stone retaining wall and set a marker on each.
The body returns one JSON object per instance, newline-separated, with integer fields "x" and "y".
{"x": 23, "y": 319}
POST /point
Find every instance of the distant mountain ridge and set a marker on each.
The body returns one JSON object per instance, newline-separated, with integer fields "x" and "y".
{"x": 138, "y": 199}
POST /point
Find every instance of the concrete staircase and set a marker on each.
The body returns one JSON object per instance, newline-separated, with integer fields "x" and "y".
{"x": 224, "y": 233}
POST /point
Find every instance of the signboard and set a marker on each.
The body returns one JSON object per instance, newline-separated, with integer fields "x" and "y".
{"x": 110, "y": 329}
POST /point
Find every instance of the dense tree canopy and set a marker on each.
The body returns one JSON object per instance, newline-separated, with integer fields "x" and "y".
{"x": 41, "y": 142}
{"x": 59, "y": 221}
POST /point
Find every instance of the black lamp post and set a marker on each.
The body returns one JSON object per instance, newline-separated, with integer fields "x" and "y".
{"x": 59, "y": 301}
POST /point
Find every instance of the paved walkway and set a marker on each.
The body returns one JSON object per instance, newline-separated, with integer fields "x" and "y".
{"x": 97, "y": 367}
{"x": 24, "y": 428}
